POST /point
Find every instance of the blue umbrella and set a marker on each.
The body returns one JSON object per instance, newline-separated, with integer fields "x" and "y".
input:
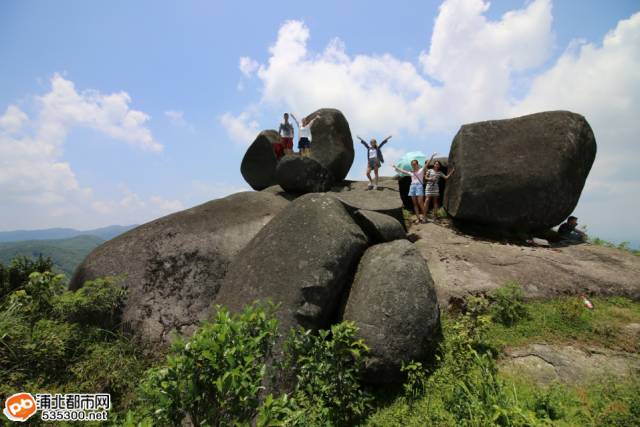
{"x": 405, "y": 161}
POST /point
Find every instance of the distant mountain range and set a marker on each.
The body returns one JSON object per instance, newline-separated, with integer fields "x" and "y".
{"x": 105, "y": 233}
{"x": 65, "y": 246}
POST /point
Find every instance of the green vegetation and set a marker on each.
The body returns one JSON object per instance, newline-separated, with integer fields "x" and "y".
{"x": 466, "y": 389}
{"x": 56, "y": 341}
{"x": 566, "y": 320}
{"x": 66, "y": 254}
{"x": 624, "y": 246}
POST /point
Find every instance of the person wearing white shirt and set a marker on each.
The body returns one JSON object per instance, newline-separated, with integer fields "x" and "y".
{"x": 416, "y": 190}
{"x": 304, "y": 134}
{"x": 374, "y": 159}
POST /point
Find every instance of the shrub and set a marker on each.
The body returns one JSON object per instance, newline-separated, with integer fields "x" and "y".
{"x": 98, "y": 302}
{"x": 416, "y": 384}
{"x": 214, "y": 377}
{"x": 17, "y": 274}
{"x": 327, "y": 366}
{"x": 571, "y": 310}
{"x": 508, "y": 304}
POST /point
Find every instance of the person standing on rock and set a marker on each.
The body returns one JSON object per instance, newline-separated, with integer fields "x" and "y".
{"x": 304, "y": 135}
{"x": 286, "y": 137}
{"x": 416, "y": 190}
{"x": 432, "y": 191}
{"x": 374, "y": 159}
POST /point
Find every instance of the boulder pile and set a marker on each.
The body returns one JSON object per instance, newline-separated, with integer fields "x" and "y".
{"x": 325, "y": 249}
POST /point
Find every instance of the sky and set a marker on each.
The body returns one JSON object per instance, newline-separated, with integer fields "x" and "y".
{"x": 120, "y": 112}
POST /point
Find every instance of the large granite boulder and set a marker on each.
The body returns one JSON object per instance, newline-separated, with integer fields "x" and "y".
{"x": 173, "y": 267}
{"x": 303, "y": 260}
{"x": 300, "y": 175}
{"x": 379, "y": 227}
{"x": 521, "y": 174}
{"x": 393, "y": 302}
{"x": 259, "y": 163}
{"x": 332, "y": 145}
{"x": 385, "y": 200}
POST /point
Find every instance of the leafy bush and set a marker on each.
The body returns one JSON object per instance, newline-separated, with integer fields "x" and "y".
{"x": 508, "y": 304}
{"x": 98, "y": 302}
{"x": 54, "y": 340}
{"x": 571, "y": 310}
{"x": 17, "y": 273}
{"x": 216, "y": 376}
{"x": 327, "y": 367}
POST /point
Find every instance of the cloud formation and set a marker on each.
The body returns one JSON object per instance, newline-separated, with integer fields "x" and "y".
{"x": 34, "y": 180}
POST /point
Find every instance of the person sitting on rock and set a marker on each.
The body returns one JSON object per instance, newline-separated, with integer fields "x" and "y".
{"x": 286, "y": 137}
{"x": 432, "y": 191}
{"x": 304, "y": 135}
{"x": 374, "y": 159}
{"x": 416, "y": 190}
{"x": 568, "y": 230}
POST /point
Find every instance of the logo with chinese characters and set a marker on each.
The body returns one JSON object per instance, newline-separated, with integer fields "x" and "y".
{"x": 20, "y": 407}
{"x": 58, "y": 407}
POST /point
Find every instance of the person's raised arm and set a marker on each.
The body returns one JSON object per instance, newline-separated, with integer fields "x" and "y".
{"x": 402, "y": 170}
{"x": 295, "y": 120}
{"x": 313, "y": 120}
{"x": 426, "y": 165}
{"x": 384, "y": 141}
{"x": 362, "y": 141}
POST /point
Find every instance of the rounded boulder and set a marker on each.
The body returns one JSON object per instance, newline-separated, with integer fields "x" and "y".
{"x": 394, "y": 304}
{"x": 259, "y": 163}
{"x": 521, "y": 174}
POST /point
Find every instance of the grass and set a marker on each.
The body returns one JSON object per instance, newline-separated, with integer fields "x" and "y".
{"x": 566, "y": 320}
{"x": 517, "y": 400}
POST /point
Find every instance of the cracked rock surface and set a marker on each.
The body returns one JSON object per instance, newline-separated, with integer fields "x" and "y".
{"x": 463, "y": 265}
{"x": 545, "y": 363}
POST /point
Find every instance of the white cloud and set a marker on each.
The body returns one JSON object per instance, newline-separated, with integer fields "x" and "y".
{"x": 472, "y": 58}
{"x": 242, "y": 129}
{"x": 12, "y": 120}
{"x": 248, "y": 66}
{"x": 34, "y": 179}
{"x": 63, "y": 107}
{"x": 602, "y": 82}
{"x": 473, "y": 69}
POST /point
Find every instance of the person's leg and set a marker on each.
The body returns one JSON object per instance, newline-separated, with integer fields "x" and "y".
{"x": 375, "y": 172}
{"x": 421, "y": 206}
{"x": 369, "y": 175}
{"x": 416, "y": 208}
{"x": 436, "y": 206}
{"x": 427, "y": 200}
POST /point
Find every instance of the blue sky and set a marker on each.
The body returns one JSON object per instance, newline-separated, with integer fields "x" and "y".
{"x": 120, "y": 112}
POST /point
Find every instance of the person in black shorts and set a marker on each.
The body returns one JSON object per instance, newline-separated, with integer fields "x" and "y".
{"x": 374, "y": 159}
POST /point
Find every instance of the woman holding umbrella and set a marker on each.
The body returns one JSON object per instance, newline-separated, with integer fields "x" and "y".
{"x": 416, "y": 190}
